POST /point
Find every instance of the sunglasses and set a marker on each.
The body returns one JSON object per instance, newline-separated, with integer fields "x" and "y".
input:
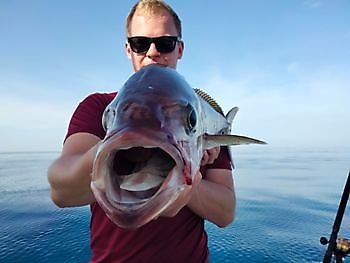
{"x": 164, "y": 44}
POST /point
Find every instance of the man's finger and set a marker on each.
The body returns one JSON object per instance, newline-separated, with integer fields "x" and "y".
{"x": 205, "y": 158}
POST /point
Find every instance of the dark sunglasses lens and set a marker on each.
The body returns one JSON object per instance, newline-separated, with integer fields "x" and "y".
{"x": 165, "y": 44}
{"x": 139, "y": 44}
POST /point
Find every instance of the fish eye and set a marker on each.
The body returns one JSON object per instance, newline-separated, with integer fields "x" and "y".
{"x": 191, "y": 120}
{"x": 108, "y": 118}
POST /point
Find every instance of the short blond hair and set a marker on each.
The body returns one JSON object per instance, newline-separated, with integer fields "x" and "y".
{"x": 152, "y": 7}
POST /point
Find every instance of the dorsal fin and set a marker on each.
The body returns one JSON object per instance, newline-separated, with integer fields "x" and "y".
{"x": 205, "y": 96}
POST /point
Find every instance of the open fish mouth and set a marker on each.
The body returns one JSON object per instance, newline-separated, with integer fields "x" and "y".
{"x": 136, "y": 174}
{"x": 132, "y": 168}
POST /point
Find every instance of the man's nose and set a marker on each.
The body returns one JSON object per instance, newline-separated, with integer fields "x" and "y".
{"x": 152, "y": 51}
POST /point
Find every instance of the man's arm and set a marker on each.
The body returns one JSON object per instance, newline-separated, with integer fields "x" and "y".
{"x": 70, "y": 175}
{"x": 214, "y": 197}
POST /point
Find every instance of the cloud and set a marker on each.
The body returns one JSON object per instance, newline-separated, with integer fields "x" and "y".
{"x": 313, "y": 3}
{"x": 35, "y": 111}
{"x": 293, "y": 67}
{"x": 309, "y": 109}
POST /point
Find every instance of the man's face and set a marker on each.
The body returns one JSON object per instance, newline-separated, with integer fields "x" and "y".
{"x": 160, "y": 24}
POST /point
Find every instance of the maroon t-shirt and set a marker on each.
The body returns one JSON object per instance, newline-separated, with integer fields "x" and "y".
{"x": 178, "y": 239}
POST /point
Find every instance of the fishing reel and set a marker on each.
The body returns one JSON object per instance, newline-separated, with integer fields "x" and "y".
{"x": 338, "y": 246}
{"x": 341, "y": 249}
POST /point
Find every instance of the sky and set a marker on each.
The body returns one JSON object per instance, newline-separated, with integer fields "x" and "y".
{"x": 285, "y": 64}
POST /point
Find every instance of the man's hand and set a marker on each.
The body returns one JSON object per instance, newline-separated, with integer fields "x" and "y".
{"x": 210, "y": 155}
{"x": 183, "y": 199}
{"x": 70, "y": 174}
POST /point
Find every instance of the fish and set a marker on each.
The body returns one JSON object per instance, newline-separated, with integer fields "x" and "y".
{"x": 157, "y": 129}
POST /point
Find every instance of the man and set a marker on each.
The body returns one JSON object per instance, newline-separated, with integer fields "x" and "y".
{"x": 154, "y": 37}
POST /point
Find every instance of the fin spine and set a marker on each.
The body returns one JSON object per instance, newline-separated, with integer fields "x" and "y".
{"x": 205, "y": 96}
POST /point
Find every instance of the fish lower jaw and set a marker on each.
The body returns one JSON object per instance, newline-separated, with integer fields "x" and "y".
{"x": 138, "y": 195}
{"x": 132, "y": 215}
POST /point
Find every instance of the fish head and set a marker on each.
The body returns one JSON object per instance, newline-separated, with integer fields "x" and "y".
{"x": 152, "y": 148}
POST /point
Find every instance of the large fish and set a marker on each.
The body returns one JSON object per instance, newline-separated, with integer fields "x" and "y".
{"x": 157, "y": 129}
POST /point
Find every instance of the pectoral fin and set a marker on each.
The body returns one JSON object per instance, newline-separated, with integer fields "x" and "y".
{"x": 221, "y": 140}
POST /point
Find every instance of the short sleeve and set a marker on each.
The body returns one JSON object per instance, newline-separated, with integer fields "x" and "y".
{"x": 88, "y": 115}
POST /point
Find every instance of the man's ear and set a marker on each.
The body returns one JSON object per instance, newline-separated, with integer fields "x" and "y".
{"x": 128, "y": 50}
{"x": 181, "y": 47}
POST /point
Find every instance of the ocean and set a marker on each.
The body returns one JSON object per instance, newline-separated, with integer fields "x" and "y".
{"x": 287, "y": 199}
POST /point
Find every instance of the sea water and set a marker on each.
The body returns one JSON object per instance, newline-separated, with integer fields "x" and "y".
{"x": 286, "y": 200}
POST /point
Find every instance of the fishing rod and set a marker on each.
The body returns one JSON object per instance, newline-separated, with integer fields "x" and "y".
{"x": 339, "y": 247}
